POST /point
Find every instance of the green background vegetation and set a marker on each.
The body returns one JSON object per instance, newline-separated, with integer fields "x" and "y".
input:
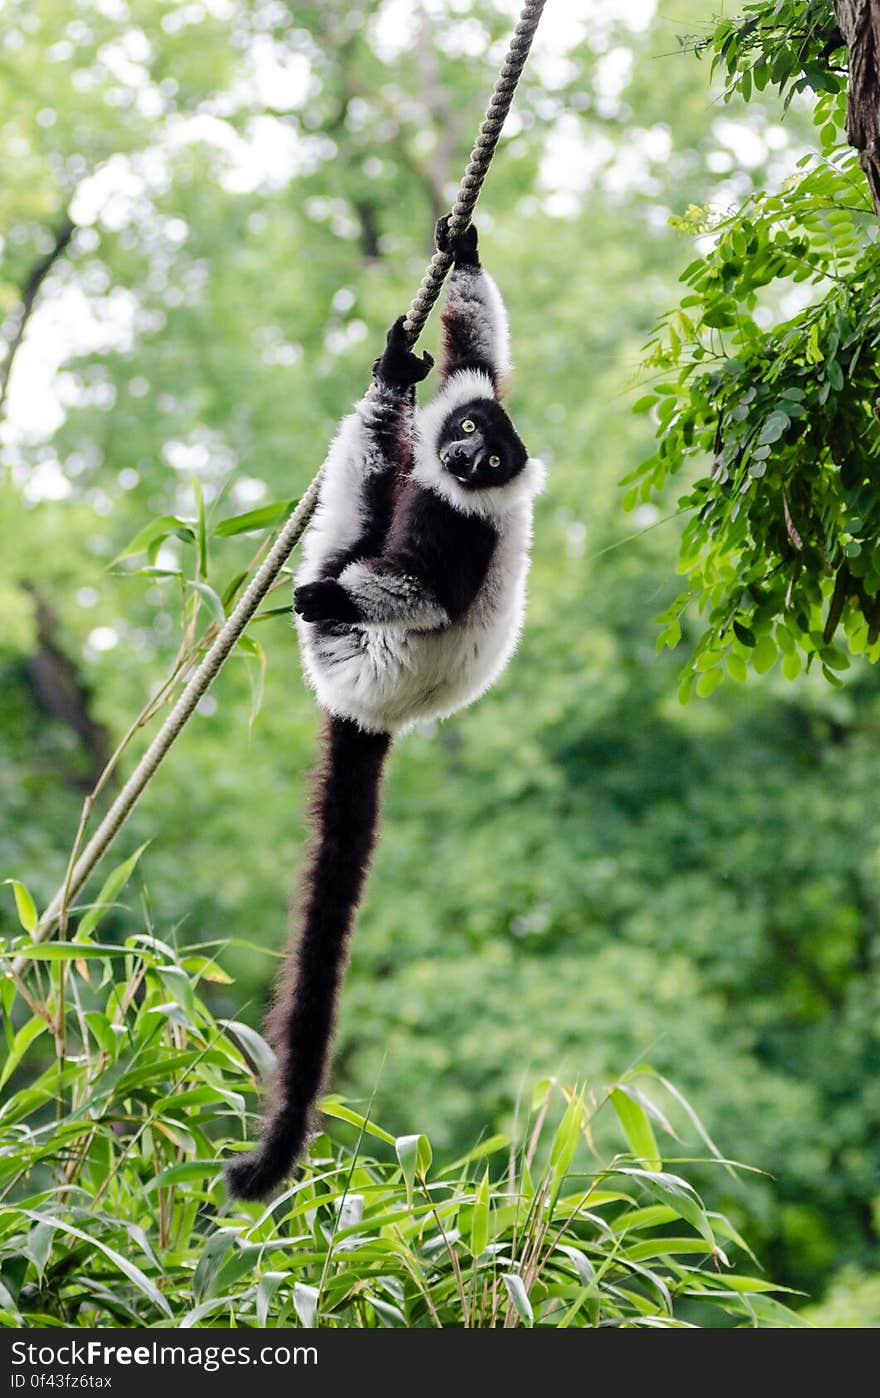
{"x": 579, "y": 874}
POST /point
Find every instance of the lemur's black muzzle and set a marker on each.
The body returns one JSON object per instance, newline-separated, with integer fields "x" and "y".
{"x": 463, "y": 457}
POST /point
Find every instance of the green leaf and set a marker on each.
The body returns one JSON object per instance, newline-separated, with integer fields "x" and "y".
{"x": 519, "y": 1298}
{"x": 269, "y": 612}
{"x": 209, "y": 596}
{"x": 414, "y": 1154}
{"x": 709, "y": 682}
{"x": 202, "y": 535}
{"x": 737, "y": 668}
{"x": 833, "y": 658}
{"x": 253, "y": 520}
{"x": 148, "y": 539}
{"x": 305, "y": 1302}
{"x": 71, "y": 951}
{"x": 179, "y": 986}
{"x": 256, "y": 674}
{"x": 764, "y": 654}
{"x": 479, "y": 1238}
{"x": 24, "y": 905}
{"x": 214, "y": 1254}
{"x": 266, "y": 1288}
{"x": 113, "y": 886}
{"x": 231, "y": 589}
{"x": 637, "y": 1128}
{"x": 38, "y": 1246}
{"x": 206, "y": 969}
{"x": 254, "y": 1044}
{"x": 791, "y": 666}
{"x": 185, "y": 1172}
{"x": 30, "y": 1030}
{"x": 679, "y": 1195}
{"x": 565, "y": 1140}
{"x": 334, "y": 1107}
{"x": 774, "y": 426}
{"x": 128, "y": 1269}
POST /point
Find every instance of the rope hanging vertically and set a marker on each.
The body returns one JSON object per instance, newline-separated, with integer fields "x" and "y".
{"x": 214, "y": 658}
{"x": 478, "y": 165}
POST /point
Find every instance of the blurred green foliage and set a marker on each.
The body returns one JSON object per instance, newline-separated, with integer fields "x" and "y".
{"x": 577, "y": 874}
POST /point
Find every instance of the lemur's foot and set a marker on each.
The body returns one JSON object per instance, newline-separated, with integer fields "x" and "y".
{"x": 398, "y": 366}
{"x": 325, "y": 600}
{"x": 462, "y": 246}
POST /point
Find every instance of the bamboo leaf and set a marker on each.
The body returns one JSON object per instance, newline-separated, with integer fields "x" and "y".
{"x": 251, "y": 520}
{"x": 480, "y": 1220}
{"x": 210, "y": 598}
{"x": 148, "y": 539}
{"x": 24, "y": 905}
{"x": 113, "y": 886}
{"x": 637, "y": 1128}
{"x": 24, "y": 1037}
{"x": 519, "y": 1297}
{"x": 305, "y": 1303}
{"x": 128, "y": 1269}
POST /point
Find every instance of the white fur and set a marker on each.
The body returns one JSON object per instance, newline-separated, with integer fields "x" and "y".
{"x": 381, "y": 594}
{"x": 339, "y": 516}
{"x": 385, "y": 676}
{"x": 473, "y": 294}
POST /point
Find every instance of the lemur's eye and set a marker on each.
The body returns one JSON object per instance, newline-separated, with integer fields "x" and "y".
{"x": 494, "y": 460}
{"x": 468, "y": 426}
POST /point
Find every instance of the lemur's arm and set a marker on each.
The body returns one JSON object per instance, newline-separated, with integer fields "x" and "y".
{"x": 475, "y": 332}
{"x": 387, "y": 410}
{"x": 428, "y": 575}
{"x": 372, "y": 592}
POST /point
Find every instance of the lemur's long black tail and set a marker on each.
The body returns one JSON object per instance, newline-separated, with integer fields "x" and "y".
{"x": 346, "y": 816}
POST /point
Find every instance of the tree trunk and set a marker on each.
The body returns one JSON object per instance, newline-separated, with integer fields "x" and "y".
{"x": 859, "y": 22}
{"x": 17, "y": 323}
{"x": 59, "y": 688}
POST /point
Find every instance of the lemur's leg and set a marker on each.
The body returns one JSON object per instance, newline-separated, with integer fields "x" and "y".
{"x": 474, "y": 321}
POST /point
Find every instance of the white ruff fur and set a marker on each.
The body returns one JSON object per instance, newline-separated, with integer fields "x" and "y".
{"x": 386, "y": 676}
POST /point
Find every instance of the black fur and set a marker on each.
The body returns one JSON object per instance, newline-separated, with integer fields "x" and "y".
{"x": 463, "y": 246}
{"x": 398, "y": 366}
{"x": 346, "y": 815}
{"x": 449, "y": 552}
{"x": 431, "y": 544}
{"x": 326, "y": 600}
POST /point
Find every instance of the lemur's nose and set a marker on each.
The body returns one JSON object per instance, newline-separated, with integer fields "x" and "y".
{"x": 462, "y": 455}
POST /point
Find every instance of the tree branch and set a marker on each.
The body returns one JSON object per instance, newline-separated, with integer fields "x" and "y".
{"x": 61, "y": 691}
{"x": 16, "y": 326}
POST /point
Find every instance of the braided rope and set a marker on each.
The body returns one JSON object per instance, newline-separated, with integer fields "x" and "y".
{"x": 478, "y": 165}
{"x": 216, "y": 655}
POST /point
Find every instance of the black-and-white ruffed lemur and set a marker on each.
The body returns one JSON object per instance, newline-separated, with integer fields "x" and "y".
{"x": 409, "y": 602}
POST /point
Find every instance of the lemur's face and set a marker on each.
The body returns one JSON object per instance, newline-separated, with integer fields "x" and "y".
{"x": 479, "y": 446}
